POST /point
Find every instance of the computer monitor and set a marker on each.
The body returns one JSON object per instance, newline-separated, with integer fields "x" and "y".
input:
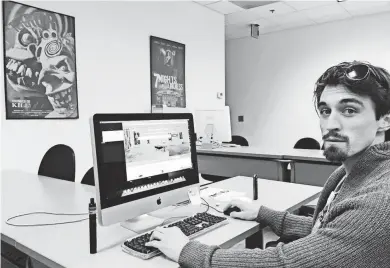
{"x": 142, "y": 162}
{"x": 213, "y": 124}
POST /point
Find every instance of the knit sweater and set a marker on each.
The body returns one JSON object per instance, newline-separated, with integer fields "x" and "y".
{"x": 355, "y": 232}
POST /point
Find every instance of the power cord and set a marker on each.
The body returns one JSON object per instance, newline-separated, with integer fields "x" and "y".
{"x": 208, "y": 206}
{"x": 45, "y": 224}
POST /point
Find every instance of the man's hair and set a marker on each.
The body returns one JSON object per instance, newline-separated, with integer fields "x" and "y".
{"x": 376, "y": 85}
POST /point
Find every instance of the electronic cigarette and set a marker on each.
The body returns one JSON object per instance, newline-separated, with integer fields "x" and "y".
{"x": 255, "y": 187}
{"x": 92, "y": 226}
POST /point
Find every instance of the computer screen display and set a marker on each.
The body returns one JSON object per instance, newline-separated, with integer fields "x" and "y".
{"x": 142, "y": 157}
{"x": 213, "y": 124}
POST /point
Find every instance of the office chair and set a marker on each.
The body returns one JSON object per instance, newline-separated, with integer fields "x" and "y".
{"x": 89, "y": 178}
{"x": 307, "y": 143}
{"x": 59, "y": 162}
{"x": 387, "y": 135}
{"x": 305, "y": 210}
{"x": 239, "y": 140}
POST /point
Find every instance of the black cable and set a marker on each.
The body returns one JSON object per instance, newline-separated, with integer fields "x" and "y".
{"x": 45, "y": 224}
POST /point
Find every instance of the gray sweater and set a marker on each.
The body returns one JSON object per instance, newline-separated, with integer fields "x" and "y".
{"x": 355, "y": 232}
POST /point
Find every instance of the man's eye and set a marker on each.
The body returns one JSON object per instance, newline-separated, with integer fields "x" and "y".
{"x": 325, "y": 111}
{"x": 349, "y": 111}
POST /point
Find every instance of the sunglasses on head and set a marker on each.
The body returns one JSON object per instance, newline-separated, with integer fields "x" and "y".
{"x": 357, "y": 72}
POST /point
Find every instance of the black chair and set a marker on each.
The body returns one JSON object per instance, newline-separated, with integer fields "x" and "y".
{"x": 59, "y": 162}
{"x": 305, "y": 210}
{"x": 275, "y": 243}
{"x": 89, "y": 178}
{"x": 239, "y": 140}
{"x": 307, "y": 143}
{"x": 387, "y": 135}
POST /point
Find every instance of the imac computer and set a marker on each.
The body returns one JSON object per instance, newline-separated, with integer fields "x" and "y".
{"x": 213, "y": 125}
{"x": 142, "y": 162}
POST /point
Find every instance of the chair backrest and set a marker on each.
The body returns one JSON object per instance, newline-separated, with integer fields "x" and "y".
{"x": 387, "y": 135}
{"x": 89, "y": 178}
{"x": 239, "y": 140}
{"x": 59, "y": 162}
{"x": 307, "y": 143}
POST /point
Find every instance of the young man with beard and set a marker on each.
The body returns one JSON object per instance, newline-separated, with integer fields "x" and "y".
{"x": 351, "y": 223}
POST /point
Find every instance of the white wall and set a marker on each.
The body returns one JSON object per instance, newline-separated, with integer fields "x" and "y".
{"x": 271, "y": 80}
{"x": 112, "y": 46}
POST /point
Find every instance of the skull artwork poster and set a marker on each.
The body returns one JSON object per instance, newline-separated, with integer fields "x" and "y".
{"x": 39, "y": 63}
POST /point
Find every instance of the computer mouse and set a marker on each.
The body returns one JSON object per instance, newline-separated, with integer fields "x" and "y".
{"x": 231, "y": 209}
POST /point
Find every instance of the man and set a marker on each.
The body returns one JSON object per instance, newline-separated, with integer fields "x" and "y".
{"x": 351, "y": 224}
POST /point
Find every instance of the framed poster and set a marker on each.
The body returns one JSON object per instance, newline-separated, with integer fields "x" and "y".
{"x": 167, "y": 67}
{"x": 39, "y": 63}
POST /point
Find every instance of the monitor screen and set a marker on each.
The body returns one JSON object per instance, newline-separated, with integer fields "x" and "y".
{"x": 141, "y": 157}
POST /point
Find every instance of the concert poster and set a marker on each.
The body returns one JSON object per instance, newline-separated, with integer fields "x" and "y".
{"x": 167, "y": 65}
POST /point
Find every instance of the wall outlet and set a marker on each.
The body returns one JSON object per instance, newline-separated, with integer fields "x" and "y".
{"x": 219, "y": 95}
{"x": 240, "y": 118}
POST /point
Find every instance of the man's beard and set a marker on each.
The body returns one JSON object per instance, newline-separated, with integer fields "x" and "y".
{"x": 335, "y": 154}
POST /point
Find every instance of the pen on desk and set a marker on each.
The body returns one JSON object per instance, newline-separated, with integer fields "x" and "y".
{"x": 255, "y": 193}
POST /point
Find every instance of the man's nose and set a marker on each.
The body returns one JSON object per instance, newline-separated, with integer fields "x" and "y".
{"x": 332, "y": 122}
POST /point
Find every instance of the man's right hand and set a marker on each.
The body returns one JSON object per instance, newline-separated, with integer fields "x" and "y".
{"x": 249, "y": 210}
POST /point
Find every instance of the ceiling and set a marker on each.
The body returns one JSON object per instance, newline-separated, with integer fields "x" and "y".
{"x": 272, "y": 16}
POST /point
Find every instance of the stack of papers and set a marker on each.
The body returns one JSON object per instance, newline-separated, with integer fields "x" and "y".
{"x": 221, "y": 195}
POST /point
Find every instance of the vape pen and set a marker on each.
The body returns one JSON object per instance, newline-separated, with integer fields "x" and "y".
{"x": 92, "y": 226}
{"x": 255, "y": 187}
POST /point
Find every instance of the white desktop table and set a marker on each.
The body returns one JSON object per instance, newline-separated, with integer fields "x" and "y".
{"x": 68, "y": 245}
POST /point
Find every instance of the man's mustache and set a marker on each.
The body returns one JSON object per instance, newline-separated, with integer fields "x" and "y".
{"x": 334, "y": 135}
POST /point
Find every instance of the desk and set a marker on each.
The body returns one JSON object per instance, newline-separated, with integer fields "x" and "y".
{"x": 244, "y": 161}
{"x": 309, "y": 167}
{"x": 267, "y": 163}
{"x": 68, "y": 245}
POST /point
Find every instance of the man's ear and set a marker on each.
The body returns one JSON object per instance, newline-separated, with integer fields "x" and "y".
{"x": 384, "y": 123}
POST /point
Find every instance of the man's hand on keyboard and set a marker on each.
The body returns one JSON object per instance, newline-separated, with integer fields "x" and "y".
{"x": 249, "y": 210}
{"x": 169, "y": 241}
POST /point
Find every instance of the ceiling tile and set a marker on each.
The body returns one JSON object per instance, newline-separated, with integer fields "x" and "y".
{"x": 240, "y": 17}
{"x": 264, "y": 11}
{"x": 302, "y": 5}
{"x": 295, "y": 19}
{"x": 252, "y": 4}
{"x": 224, "y": 7}
{"x": 327, "y": 13}
{"x": 206, "y": 2}
{"x": 357, "y": 8}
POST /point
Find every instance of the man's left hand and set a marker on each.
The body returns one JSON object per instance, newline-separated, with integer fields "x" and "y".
{"x": 169, "y": 241}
